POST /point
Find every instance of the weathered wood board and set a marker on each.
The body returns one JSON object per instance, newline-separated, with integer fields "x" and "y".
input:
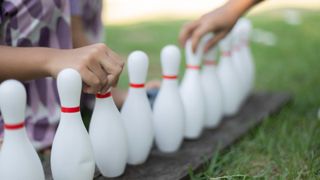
{"x": 195, "y": 153}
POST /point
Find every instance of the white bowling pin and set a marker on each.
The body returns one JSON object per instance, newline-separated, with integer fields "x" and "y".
{"x": 19, "y": 159}
{"x": 136, "y": 111}
{"x": 211, "y": 89}
{"x": 108, "y": 137}
{"x": 228, "y": 79}
{"x": 71, "y": 154}
{"x": 191, "y": 91}
{"x": 168, "y": 109}
{"x": 238, "y": 62}
{"x": 246, "y": 28}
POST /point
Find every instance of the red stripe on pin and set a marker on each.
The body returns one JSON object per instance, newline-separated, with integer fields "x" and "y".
{"x": 209, "y": 62}
{"x": 14, "y": 126}
{"x": 193, "y": 67}
{"x": 245, "y": 43}
{"x": 70, "y": 109}
{"x": 226, "y": 53}
{"x": 237, "y": 48}
{"x": 106, "y": 95}
{"x": 136, "y": 85}
{"x": 169, "y": 77}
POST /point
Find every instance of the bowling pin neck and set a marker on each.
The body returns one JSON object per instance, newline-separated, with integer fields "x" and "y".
{"x": 169, "y": 80}
{"x": 14, "y": 132}
{"x": 104, "y": 100}
{"x": 244, "y": 43}
{"x": 236, "y": 47}
{"x": 226, "y": 54}
{"x": 70, "y": 113}
{"x": 70, "y": 110}
{"x": 193, "y": 67}
{"x": 192, "y": 72}
{"x": 169, "y": 83}
{"x": 209, "y": 63}
{"x": 103, "y": 96}
{"x": 170, "y": 77}
{"x": 137, "y": 88}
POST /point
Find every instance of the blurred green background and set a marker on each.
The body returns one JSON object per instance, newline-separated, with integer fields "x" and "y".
{"x": 285, "y": 146}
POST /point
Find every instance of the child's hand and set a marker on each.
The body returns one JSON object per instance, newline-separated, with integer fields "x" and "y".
{"x": 219, "y": 21}
{"x": 98, "y": 65}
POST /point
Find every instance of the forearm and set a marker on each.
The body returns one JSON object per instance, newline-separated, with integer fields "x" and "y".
{"x": 24, "y": 63}
{"x": 239, "y": 7}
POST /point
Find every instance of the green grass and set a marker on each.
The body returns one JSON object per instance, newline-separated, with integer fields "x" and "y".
{"x": 285, "y": 146}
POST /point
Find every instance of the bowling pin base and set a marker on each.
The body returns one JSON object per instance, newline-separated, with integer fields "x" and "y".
{"x": 176, "y": 165}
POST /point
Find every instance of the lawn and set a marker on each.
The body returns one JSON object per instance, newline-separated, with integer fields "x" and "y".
{"x": 285, "y": 146}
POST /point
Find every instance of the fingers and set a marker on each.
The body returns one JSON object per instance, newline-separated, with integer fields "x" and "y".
{"x": 113, "y": 70}
{"x": 105, "y": 88}
{"x": 107, "y": 66}
{"x": 115, "y": 75}
{"x": 114, "y": 56}
{"x": 97, "y": 70}
{"x": 92, "y": 82}
{"x": 113, "y": 65}
{"x": 196, "y": 37}
{"x": 213, "y": 41}
{"x": 113, "y": 79}
{"x": 186, "y": 32}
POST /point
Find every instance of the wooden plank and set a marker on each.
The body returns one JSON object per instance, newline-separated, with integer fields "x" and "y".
{"x": 195, "y": 153}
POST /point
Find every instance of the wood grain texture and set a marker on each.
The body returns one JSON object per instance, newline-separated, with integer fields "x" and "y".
{"x": 194, "y": 153}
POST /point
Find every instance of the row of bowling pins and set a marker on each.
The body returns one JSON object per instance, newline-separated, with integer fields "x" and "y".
{"x": 115, "y": 139}
{"x": 201, "y": 101}
{"x": 220, "y": 88}
{"x": 236, "y": 69}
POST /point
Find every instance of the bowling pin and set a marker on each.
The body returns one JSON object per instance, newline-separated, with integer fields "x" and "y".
{"x": 19, "y": 159}
{"x": 168, "y": 109}
{"x": 231, "y": 94}
{"x": 191, "y": 91}
{"x": 108, "y": 136}
{"x": 71, "y": 154}
{"x": 136, "y": 111}
{"x": 238, "y": 62}
{"x": 211, "y": 89}
{"x": 246, "y": 28}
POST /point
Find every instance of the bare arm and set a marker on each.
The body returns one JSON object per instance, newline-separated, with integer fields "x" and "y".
{"x": 24, "y": 63}
{"x": 219, "y": 21}
{"x": 98, "y": 65}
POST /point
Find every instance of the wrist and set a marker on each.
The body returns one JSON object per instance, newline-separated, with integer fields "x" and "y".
{"x": 238, "y": 7}
{"x": 51, "y": 58}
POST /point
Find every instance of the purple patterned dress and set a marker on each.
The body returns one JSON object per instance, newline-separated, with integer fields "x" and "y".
{"x": 90, "y": 12}
{"x": 37, "y": 23}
